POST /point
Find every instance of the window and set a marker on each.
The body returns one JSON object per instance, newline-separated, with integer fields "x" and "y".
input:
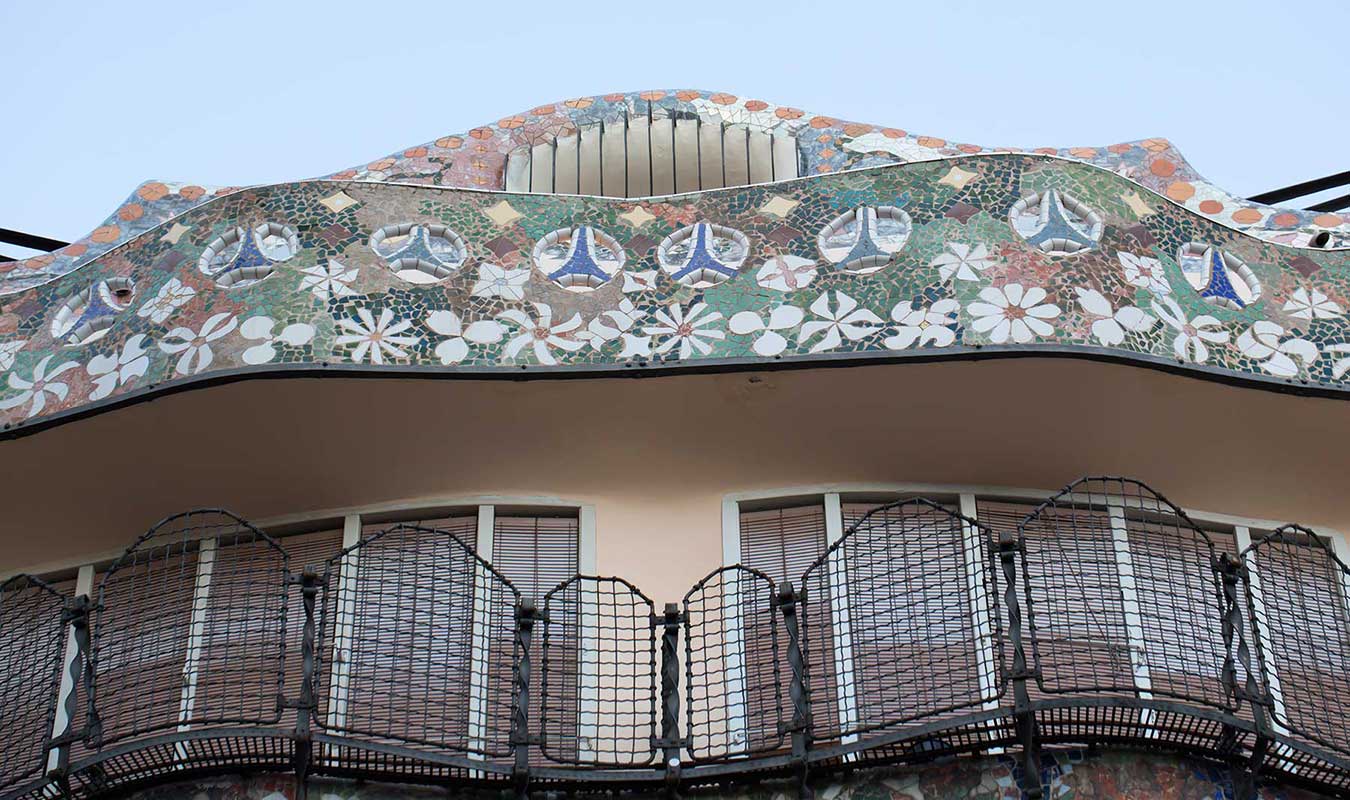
{"x": 905, "y": 587}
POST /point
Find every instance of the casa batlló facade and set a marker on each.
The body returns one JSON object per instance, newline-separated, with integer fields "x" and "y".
{"x": 678, "y": 442}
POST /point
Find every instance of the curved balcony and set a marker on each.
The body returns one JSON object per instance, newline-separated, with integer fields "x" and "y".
{"x": 1105, "y": 617}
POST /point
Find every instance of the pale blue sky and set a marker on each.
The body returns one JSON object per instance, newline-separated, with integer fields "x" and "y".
{"x": 98, "y": 97}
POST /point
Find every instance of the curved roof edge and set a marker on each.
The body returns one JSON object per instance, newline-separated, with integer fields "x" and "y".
{"x": 476, "y": 159}
{"x": 988, "y": 254}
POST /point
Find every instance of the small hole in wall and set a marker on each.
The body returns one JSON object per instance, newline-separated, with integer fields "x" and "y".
{"x": 1322, "y": 239}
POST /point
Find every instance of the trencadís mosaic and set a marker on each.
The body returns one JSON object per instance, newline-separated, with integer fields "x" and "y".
{"x": 478, "y": 159}
{"x": 998, "y": 251}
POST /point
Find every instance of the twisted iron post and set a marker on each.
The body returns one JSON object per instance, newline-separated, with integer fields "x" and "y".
{"x": 800, "y": 695}
{"x": 526, "y": 614}
{"x": 670, "y": 742}
{"x": 1245, "y": 775}
{"x": 304, "y": 738}
{"x": 1024, "y": 717}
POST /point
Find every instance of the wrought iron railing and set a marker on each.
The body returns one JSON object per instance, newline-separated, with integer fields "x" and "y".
{"x": 1106, "y": 617}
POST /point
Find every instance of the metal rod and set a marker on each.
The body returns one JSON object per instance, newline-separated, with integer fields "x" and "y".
{"x": 1009, "y": 547}
{"x": 1302, "y": 189}
{"x": 30, "y": 240}
{"x": 526, "y": 613}
{"x": 798, "y": 691}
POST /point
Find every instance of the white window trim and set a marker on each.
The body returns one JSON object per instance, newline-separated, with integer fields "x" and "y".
{"x": 201, "y": 603}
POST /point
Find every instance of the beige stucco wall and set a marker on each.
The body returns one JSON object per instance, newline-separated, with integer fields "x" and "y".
{"x": 656, "y": 456}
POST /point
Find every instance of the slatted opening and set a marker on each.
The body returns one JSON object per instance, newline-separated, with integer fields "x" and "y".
{"x": 537, "y": 553}
{"x": 782, "y": 543}
{"x": 31, "y": 646}
{"x": 643, "y": 157}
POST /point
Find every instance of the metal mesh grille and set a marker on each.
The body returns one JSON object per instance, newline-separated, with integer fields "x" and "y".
{"x": 190, "y": 628}
{"x": 910, "y": 637}
{"x": 733, "y": 682}
{"x": 418, "y": 614}
{"x": 32, "y": 644}
{"x": 1300, "y": 593}
{"x": 1124, "y": 595}
{"x": 599, "y": 673}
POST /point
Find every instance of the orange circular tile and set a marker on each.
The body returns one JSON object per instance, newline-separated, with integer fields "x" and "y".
{"x": 821, "y": 122}
{"x": 893, "y": 133}
{"x": 687, "y": 95}
{"x": 1083, "y": 152}
{"x": 1211, "y": 206}
{"x": 152, "y": 191}
{"x": 192, "y": 192}
{"x": 755, "y": 105}
{"x": 1328, "y": 220}
{"x": 932, "y": 141}
{"x": 1046, "y": 151}
{"x": 1285, "y": 220}
{"x": 784, "y": 112}
{"x": 130, "y": 213}
{"x": 723, "y": 99}
{"x": 414, "y": 152}
{"x": 579, "y": 102}
{"x": 481, "y": 133}
{"x": 106, "y": 234}
{"x": 856, "y": 129}
{"x": 381, "y": 164}
{"x": 450, "y": 142}
{"x": 1162, "y": 168}
{"x": 543, "y": 111}
{"x": 1247, "y": 216}
{"x": 1180, "y": 191}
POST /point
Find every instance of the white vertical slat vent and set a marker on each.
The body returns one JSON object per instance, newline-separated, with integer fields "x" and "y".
{"x": 645, "y": 157}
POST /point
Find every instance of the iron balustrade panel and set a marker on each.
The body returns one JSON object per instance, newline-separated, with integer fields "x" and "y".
{"x": 422, "y": 647}
{"x": 190, "y": 629}
{"x": 900, "y": 622}
{"x": 1124, "y": 596}
{"x": 734, "y": 666}
{"x": 32, "y": 647}
{"x": 1299, "y": 593}
{"x": 598, "y": 676}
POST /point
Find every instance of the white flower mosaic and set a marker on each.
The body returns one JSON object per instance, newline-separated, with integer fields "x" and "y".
{"x": 503, "y": 282}
{"x": 1280, "y": 356}
{"x": 838, "y": 320}
{"x": 36, "y": 388}
{"x": 619, "y": 323}
{"x": 923, "y": 325}
{"x": 962, "y": 262}
{"x": 260, "y": 330}
{"x": 691, "y": 330}
{"x": 1111, "y": 324}
{"x": 454, "y": 347}
{"x": 194, "y": 347}
{"x": 1193, "y": 336}
{"x": 1013, "y": 313}
{"x": 119, "y": 369}
{"x": 174, "y": 294}
{"x": 326, "y": 281}
{"x": 541, "y": 334}
{"x": 1144, "y": 273}
{"x": 770, "y": 341}
{"x": 1312, "y": 304}
{"x": 373, "y": 339}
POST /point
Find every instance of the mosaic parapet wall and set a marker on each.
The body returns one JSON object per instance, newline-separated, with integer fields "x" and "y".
{"x": 997, "y": 253}
{"x": 1066, "y": 775}
{"x": 477, "y": 159}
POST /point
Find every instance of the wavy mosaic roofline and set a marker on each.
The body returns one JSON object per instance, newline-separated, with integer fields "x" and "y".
{"x": 477, "y": 159}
